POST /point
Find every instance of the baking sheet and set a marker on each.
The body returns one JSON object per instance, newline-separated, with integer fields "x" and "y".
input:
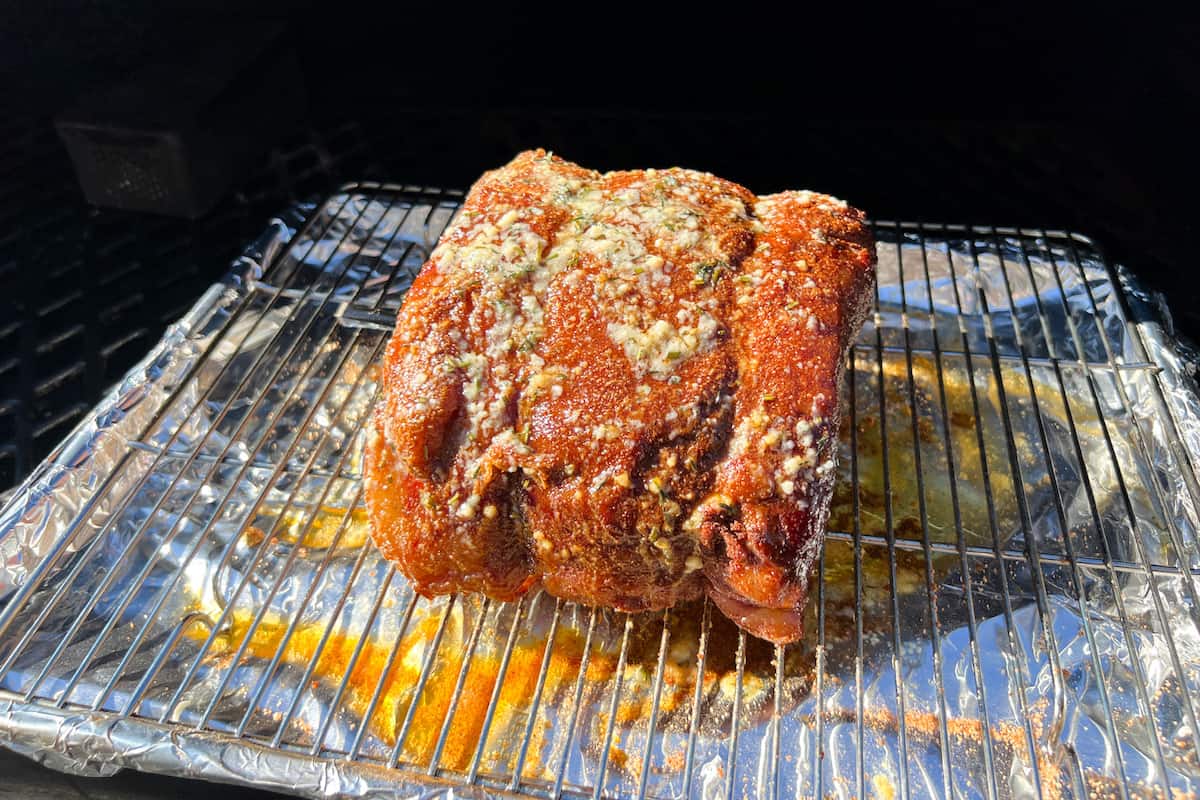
{"x": 1008, "y": 593}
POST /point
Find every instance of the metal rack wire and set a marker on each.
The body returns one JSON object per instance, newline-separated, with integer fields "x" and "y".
{"x": 1000, "y": 468}
{"x": 85, "y": 292}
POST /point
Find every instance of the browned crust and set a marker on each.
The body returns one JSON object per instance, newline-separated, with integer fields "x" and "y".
{"x": 609, "y": 482}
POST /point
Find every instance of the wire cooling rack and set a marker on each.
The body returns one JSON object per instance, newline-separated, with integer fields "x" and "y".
{"x": 84, "y": 292}
{"x": 1006, "y": 605}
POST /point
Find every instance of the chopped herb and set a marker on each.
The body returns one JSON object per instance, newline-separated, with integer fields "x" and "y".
{"x": 709, "y": 272}
{"x": 670, "y": 509}
{"x": 673, "y": 354}
{"x": 463, "y": 290}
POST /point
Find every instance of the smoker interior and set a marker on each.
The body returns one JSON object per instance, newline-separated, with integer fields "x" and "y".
{"x": 1002, "y": 540}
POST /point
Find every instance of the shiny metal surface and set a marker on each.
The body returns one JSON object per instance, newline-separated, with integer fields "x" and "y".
{"x": 1006, "y": 606}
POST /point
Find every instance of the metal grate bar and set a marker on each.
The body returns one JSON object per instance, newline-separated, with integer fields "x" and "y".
{"x": 817, "y": 759}
{"x": 266, "y": 541}
{"x": 859, "y": 656}
{"x": 655, "y": 706}
{"x": 98, "y": 538}
{"x": 159, "y": 661}
{"x": 1187, "y": 581}
{"x": 619, "y": 678}
{"x": 294, "y": 623}
{"x": 736, "y": 718}
{"x": 459, "y": 684}
{"x": 689, "y": 768}
{"x": 926, "y": 542}
{"x": 1031, "y": 543}
{"x": 989, "y": 755}
{"x": 890, "y": 530}
{"x": 1173, "y": 440}
{"x": 547, "y": 652}
{"x": 498, "y": 686}
{"x": 327, "y": 718}
{"x": 63, "y": 545}
{"x": 384, "y": 676}
{"x": 228, "y": 551}
{"x": 1185, "y": 551}
{"x": 776, "y": 730}
{"x": 419, "y": 686}
{"x": 995, "y": 413}
{"x": 576, "y": 705}
{"x": 1024, "y": 677}
{"x": 1069, "y": 544}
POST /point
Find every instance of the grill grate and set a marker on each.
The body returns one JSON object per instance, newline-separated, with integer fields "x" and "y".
{"x": 1000, "y": 468}
{"x": 84, "y": 292}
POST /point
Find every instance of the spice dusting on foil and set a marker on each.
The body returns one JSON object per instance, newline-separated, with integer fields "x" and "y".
{"x": 1007, "y": 594}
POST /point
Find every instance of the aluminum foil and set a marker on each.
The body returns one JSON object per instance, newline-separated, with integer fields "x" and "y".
{"x": 1007, "y": 601}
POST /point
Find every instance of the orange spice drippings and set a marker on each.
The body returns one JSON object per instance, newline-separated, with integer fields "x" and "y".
{"x": 433, "y": 705}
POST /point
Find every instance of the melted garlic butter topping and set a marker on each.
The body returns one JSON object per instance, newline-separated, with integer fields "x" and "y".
{"x": 636, "y": 236}
{"x": 627, "y": 247}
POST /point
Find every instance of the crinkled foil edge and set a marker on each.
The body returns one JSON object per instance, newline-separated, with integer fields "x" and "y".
{"x": 99, "y": 744}
{"x": 94, "y": 744}
{"x": 143, "y": 392}
{"x": 1178, "y": 358}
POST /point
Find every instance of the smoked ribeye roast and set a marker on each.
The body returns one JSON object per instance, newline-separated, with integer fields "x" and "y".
{"x": 622, "y": 387}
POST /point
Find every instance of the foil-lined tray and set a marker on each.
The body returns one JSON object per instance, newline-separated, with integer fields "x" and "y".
{"x": 1006, "y": 603}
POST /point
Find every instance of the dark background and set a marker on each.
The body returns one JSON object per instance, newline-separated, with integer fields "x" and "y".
{"x": 1070, "y": 119}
